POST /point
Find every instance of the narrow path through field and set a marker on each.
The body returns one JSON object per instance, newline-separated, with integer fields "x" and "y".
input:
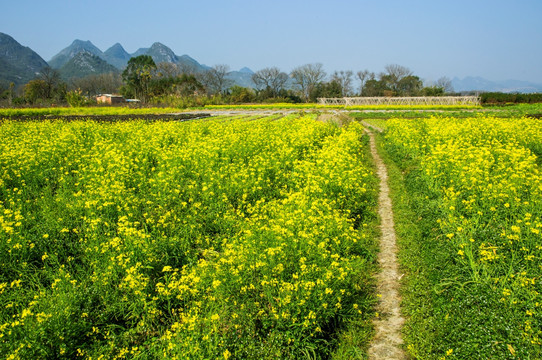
{"x": 387, "y": 341}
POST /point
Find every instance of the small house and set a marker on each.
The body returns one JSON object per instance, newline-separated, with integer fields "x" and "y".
{"x": 109, "y": 99}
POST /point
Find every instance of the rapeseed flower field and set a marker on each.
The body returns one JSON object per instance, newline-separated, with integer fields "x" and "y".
{"x": 480, "y": 180}
{"x": 227, "y": 238}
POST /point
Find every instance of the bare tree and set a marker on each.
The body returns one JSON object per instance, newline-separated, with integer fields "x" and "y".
{"x": 393, "y": 76}
{"x": 270, "y": 79}
{"x": 307, "y": 77}
{"x": 215, "y": 79}
{"x": 52, "y": 80}
{"x": 168, "y": 69}
{"x": 363, "y": 77}
{"x": 397, "y": 71}
{"x": 445, "y": 84}
{"x": 97, "y": 84}
{"x": 344, "y": 79}
{"x": 187, "y": 69}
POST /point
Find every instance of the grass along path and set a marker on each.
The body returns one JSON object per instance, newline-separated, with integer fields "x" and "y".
{"x": 387, "y": 342}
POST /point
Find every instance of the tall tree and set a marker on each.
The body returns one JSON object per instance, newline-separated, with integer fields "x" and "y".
{"x": 46, "y": 86}
{"x": 270, "y": 79}
{"x": 306, "y": 77}
{"x": 10, "y": 93}
{"x": 215, "y": 80}
{"x": 409, "y": 86}
{"x": 331, "y": 89}
{"x": 188, "y": 85}
{"x": 53, "y": 82}
{"x": 363, "y": 77}
{"x": 138, "y": 74}
{"x": 95, "y": 84}
{"x": 393, "y": 75}
{"x": 167, "y": 69}
{"x": 34, "y": 90}
{"x": 445, "y": 84}
{"x": 344, "y": 79}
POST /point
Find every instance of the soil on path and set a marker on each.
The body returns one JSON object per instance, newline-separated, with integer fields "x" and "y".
{"x": 387, "y": 341}
{"x": 113, "y": 118}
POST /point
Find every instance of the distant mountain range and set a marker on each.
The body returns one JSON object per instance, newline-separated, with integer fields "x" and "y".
{"x": 118, "y": 57}
{"x": 471, "y": 83}
{"x": 85, "y": 63}
{"x": 19, "y": 64}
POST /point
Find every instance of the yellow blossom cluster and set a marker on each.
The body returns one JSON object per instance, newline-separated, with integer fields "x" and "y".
{"x": 485, "y": 173}
{"x": 231, "y": 237}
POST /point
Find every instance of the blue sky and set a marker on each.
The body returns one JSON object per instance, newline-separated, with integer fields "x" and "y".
{"x": 495, "y": 39}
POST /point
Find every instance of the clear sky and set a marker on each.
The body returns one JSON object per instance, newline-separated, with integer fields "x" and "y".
{"x": 495, "y": 39}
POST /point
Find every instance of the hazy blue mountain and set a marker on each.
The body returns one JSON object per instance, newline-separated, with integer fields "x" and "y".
{"x": 82, "y": 58}
{"x": 117, "y": 56}
{"x": 18, "y": 64}
{"x": 186, "y": 62}
{"x": 241, "y": 78}
{"x": 76, "y": 47}
{"x": 246, "y": 70}
{"x": 520, "y": 86}
{"x": 140, "y": 51}
{"x": 161, "y": 53}
{"x": 476, "y": 83}
{"x": 83, "y": 64}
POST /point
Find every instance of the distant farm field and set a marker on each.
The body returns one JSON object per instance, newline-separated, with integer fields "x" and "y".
{"x": 244, "y": 238}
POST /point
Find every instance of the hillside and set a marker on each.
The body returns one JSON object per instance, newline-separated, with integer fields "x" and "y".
{"x": 117, "y": 56}
{"x": 83, "y": 64}
{"x": 242, "y": 77}
{"x": 75, "y": 48}
{"x": 18, "y": 64}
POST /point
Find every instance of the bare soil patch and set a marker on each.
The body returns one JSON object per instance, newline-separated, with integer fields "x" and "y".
{"x": 113, "y": 118}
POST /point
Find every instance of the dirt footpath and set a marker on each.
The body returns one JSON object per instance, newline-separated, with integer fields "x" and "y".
{"x": 387, "y": 342}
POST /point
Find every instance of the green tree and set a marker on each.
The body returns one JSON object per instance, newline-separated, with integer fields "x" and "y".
{"x": 75, "y": 98}
{"x": 432, "y": 91}
{"x": 331, "y": 89}
{"x": 393, "y": 76}
{"x": 34, "y": 90}
{"x": 182, "y": 85}
{"x": 239, "y": 94}
{"x": 373, "y": 87}
{"x": 138, "y": 74}
{"x": 47, "y": 87}
{"x": 364, "y": 76}
{"x": 188, "y": 85}
{"x": 409, "y": 86}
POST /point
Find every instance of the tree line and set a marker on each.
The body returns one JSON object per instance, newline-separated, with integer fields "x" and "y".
{"x": 174, "y": 85}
